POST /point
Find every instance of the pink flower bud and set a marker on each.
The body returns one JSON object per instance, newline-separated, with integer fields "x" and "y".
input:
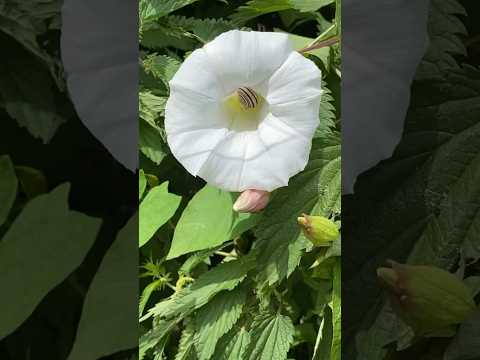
{"x": 251, "y": 201}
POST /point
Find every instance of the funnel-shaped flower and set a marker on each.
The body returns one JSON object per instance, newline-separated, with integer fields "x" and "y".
{"x": 425, "y": 297}
{"x": 242, "y": 111}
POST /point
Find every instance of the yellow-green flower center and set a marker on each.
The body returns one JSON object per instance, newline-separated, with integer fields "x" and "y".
{"x": 245, "y": 109}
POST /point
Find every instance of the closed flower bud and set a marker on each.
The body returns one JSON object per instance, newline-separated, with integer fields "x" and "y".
{"x": 252, "y": 201}
{"x": 318, "y": 229}
{"x": 427, "y": 298}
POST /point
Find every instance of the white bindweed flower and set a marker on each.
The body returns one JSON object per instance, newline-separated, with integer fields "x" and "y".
{"x": 242, "y": 111}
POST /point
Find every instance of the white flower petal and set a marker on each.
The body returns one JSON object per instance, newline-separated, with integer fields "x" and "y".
{"x": 246, "y": 58}
{"x": 298, "y": 79}
{"x": 197, "y": 75}
{"x": 263, "y": 160}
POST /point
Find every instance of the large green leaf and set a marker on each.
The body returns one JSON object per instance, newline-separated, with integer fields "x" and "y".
{"x": 110, "y": 307}
{"x": 156, "y": 209}
{"x": 225, "y": 276}
{"x": 315, "y": 190}
{"x": 36, "y": 240}
{"x": 8, "y": 187}
{"x": 233, "y": 345}
{"x": 271, "y": 336}
{"x": 215, "y": 319}
{"x": 207, "y": 221}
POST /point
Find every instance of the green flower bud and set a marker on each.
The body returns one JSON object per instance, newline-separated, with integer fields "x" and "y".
{"x": 427, "y": 298}
{"x": 318, "y": 229}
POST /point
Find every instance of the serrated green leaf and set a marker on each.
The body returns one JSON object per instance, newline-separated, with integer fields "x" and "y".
{"x": 225, "y": 276}
{"x": 215, "y": 319}
{"x": 151, "y": 10}
{"x": 8, "y": 187}
{"x": 151, "y": 107}
{"x": 232, "y": 345}
{"x": 271, "y": 336}
{"x": 315, "y": 190}
{"x": 156, "y": 336}
{"x": 255, "y": 8}
{"x": 156, "y": 209}
{"x": 186, "y": 347}
{"x": 208, "y": 221}
{"x": 147, "y": 292}
{"x": 61, "y": 237}
{"x": 151, "y": 142}
{"x": 110, "y": 306}
{"x": 162, "y": 67}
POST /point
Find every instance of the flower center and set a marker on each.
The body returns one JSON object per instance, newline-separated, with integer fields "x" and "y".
{"x": 245, "y": 109}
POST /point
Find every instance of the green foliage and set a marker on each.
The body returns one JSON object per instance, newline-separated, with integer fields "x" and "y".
{"x": 421, "y": 205}
{"x": 215, "y": 319}
{"x": 210, "y": 219}
{"x": 218, "y": 284}
{"x": 31, "y": 73}
{"x": 99, "y": 332}
{"x": 273, "y": 334}
{"x": 61, "y": 237}
{"x": 156, "y": 209}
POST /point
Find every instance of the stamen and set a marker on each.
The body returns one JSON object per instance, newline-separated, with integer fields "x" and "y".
{"x": 248, "y": 98}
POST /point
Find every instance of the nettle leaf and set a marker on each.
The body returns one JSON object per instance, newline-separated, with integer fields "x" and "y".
{"x": 162, "y": 67}
{"x": 271, "y": 336}
{"x": 61, "y": 237}
{"x": 151, "y": 107}
{"x": 225, "y": 276}
{"x": 156, "y": 337}
{"x": 255, "y": 8}
{"x": 315, "y": 190}
{"x": 110, "y": 306}
{"x": 186, "y": 347}
{"x": 151, "y": 10}
{"x": 8, "y": 187}
{"x": 215, "y": 319}
{"x": 151, "y": 142}
{"x": 327, "y": 114}
{"x": 445, "y": 32}
{"x": 232, "y": 346}
{"x": 156, "y": 209}
{"x": 429, "y": 217}
{"x": 208, "y": 221}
